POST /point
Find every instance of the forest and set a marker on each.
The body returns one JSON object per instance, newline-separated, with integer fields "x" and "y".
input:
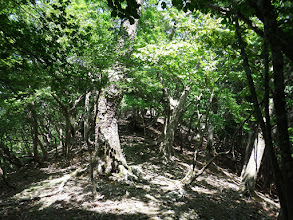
{"x": 146, "y": 109}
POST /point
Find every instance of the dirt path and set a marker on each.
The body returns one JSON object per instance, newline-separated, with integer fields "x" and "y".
{"x": 214, "y": 195}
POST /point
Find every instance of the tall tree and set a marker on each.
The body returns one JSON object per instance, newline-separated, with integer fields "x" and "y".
{"x": 109, "y": 155}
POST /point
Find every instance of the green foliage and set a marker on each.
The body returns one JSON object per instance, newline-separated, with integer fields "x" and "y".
{"x": 58, "y": 48}
{"x": 194, "y": 58}
{"x": 65, "y": 49}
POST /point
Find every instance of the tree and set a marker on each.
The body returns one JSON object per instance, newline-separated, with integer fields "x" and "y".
{"x": 109, "y": 155}
{"x": 254, "y": 153}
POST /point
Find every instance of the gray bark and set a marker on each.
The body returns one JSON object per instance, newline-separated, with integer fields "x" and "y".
{"x": 250, "y": 170}
{"x": 210, "y": 139}
{"x": 109, "y": 156}
{"x": 87, "y": 115}
{"x": 176, "y": 107}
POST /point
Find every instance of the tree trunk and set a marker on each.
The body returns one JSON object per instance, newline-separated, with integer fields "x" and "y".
{"x": 210, "y": 140}
{"x": 176, "y": 107}
{"x": 251, "y": 168}
{"x": 196, "y": 128}
{"x": 283, "y": 179}
{"x": 272, "y": 34}
{"x": 34, "y": 124}
{"x": 3, "y": 172}
{"x": 43, "y": 149}
{"x": 61, "y": 144}
{"x": 68, "y": 113}
{"x": 67, "y": 135}
{"x": 89, "y": 128}
{"x": 86, "y": 116}
{"x": 109, "y": 152}
{"x": 109, "y": 155}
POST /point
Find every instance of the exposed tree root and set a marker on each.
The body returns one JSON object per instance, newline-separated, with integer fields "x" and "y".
{"x": 63, "y": 180}
{"x": 192, "y": 174}
{"x": 7, "y": 182}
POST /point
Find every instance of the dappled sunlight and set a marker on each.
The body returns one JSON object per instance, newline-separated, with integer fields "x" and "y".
{"x": 218, "y": 183}
{"x": 157, "y": 194}
{"x": 126, "y": 205}
{"x": 203, "y": 190}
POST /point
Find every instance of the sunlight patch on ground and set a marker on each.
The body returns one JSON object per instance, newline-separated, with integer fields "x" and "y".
{"x": 48, "y": 201}
{"x": 41, "y": 188}
{"x": 166, "y": 184}
{"x": 125, "y": 206}
{"x": 218, "y": 183}
{"x": 203, "y": 190}
{"x": 34, "y": 190}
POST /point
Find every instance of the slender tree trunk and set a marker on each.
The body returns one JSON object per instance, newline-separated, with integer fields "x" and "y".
{"x": 68, "y": 112}
{"x": 8, "y": 155}
{"x": 93, "y": 159}
{"x": 86, "y": 138}
{"x": 61, "y": 144}
{"x": 283, "y": 179}
{"x": 176, "y": 111}
{"x": 67, "y": 135}
{"x": 88, "y": 130}
{"x": 3, "y": 172}
{"x": 43, "y": 149}
{"x": 191, "y": 122}
{"x": 250, "y": 170}
{"x": 189, "y": 136}
{"x": 35, "y": 134}
{"x": 210, "y": 139}
{"x": 271, "y": 34}
{"x": 87, "y": 116}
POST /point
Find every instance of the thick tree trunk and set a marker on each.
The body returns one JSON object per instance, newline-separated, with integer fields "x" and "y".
{"x": 251, "y": 168}
{"x": 109, "y": 152}
{"x": 176, "y": 107}
{"x": 248, "y": 149}
{"x": 108, "y": 155}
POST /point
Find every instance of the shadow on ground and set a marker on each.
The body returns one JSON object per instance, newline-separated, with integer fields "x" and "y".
{"x": 158, "y": 195}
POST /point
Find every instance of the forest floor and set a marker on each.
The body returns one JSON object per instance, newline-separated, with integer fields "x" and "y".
{"x": 213, "y": 195}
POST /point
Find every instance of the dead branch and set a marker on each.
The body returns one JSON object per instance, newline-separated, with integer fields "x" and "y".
{"x": 192, "y": 175}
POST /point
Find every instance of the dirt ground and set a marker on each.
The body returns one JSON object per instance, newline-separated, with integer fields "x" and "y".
{"x": 156, "y": 195}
